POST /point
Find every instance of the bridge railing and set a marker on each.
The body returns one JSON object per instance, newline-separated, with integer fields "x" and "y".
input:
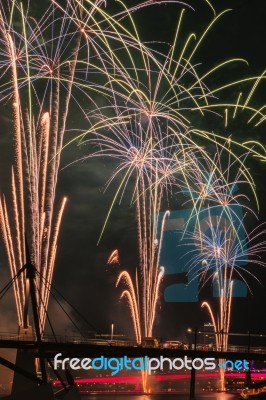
{"x": 72, "y": 339}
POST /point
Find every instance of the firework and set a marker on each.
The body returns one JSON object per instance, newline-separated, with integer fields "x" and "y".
{"x": 45, "y": 62}
{"x": 218, "y": 186}
{"x": 148, "y": 126}
{"x": 38, "y": 134}
{"x": 149, "y": 129}
{"x": 146, "y": 129}
{"x": 113, "y": 258}
{"x": 220, "y": 256}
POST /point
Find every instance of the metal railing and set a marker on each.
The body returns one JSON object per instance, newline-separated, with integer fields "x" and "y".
{"x": 75, "y": 339}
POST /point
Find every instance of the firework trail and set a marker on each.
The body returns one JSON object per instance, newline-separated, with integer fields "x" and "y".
{"x": 221, "y": 255}
{"x": 38, "y": 132}
{"x": 150, "y": 165}
{"x": 218, "y": 186}
{"x": 45, "y": 62}
{"x": 113, "y": 258}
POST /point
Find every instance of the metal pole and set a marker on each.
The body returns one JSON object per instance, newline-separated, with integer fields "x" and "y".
{"x": 248, "y": 379}
{"x": 31, "y": 275}
{"x": 193, "y": 371}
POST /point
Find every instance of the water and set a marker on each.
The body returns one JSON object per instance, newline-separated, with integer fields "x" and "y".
{"x": 211, "y": 396}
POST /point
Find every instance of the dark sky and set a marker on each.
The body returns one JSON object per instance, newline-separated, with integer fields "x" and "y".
{"x": 81, "y": 273}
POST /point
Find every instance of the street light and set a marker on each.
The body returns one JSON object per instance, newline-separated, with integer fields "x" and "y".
{"x": 193, "y": 371}
{"x": 194, "y": 345}
{"x": 112, "y": 330}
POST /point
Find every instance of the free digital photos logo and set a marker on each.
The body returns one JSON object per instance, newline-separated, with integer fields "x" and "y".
{"x": 146, "y": 364}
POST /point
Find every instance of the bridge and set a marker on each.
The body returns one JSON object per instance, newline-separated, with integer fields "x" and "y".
{"x": 32, "y": 343}
{"x": 82, "y": 347}
{"x": 79, "y": 347}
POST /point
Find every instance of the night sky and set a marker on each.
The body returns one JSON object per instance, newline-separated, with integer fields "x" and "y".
{"x": 81, "y": 273}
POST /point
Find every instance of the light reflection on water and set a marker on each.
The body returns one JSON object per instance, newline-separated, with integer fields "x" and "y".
{"x": 211, "y": 396}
